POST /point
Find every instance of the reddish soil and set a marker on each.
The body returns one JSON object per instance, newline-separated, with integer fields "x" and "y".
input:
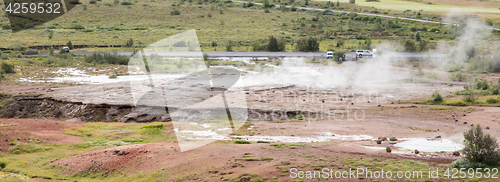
{"x": 46, "y": 131}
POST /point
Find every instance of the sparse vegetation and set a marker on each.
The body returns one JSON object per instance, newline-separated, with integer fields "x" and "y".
{"x": 241, "y": 142}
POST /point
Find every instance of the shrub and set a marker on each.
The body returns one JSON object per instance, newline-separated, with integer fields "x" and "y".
{"x": 310, "y": 44}
{"x": 275, "y": 45}
{"x": 70, "y": 45}
{"x": 229, "y": 46}
{"x": 175, "y": 12}
{"x": 7, "y": 68}
{"x": 109, "y": 58}
{"x": 491, "y": 101}
{"x": 352, "y": 1}
{"x": 76, "y": 27}
{"x": 339, "y": 54}
{"x": 464, "y": 163}
{"x": 436, "y": 97}
{"x": 410, "y": 46}
{"x": 92, "y": 2}
{"x": 241, "y": 142}
{"x": 3, "y": 164}
{"x": 480, "y": 147}
{"x": 126, "y": 3}
{"x": 458, "y": 77}
{"x": 482, "y": 85}
{"x": 130, "y": 43}
{"x": 6, "y": 27}
{"x": 257, "y": 46}
{"x": 470, "y": 97}
{"x": 31, "y": 52}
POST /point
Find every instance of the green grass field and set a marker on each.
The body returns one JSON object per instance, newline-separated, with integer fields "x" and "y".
{"x": 216, "y": 23}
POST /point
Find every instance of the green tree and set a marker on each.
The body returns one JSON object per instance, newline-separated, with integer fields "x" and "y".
{"x": 338, "y": 3}
{"x": 266, "y": 3}
{"x": 352, "y": 1}
{"x": 206, "y": 59}
{"x": 417, "y": 36}
{"x": 368, "y": 43}
{"x": 480, "y": 147}
{"x": 229, "y": 46}
{"x": 130, "y": 43}
{"x": 423, "y": 45}
{"x": 275, "y": 45}
{"x": 307, "y": 2}
{"x": 51, "y": 50}
{"x": 410, "y": 46}
{"x": 7, "y": 68}
{"x": 70, "y": 45}
{"x": 310, "y": 44}
{"x": 471, "y": 53}
{"x": 51, "y": 33}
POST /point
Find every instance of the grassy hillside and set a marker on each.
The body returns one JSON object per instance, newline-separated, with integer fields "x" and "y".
{"x": 218, "y": 23}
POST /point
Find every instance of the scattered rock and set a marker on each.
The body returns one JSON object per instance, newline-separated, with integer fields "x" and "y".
{"x": 393, "y": 139}
{"x": 392, "y": 102}
{"x": 472, "y": 125}
{"x": 456, "y": 120}
{"x": 465, "y": 122}
{"x": 379, "y": 105}
{"x": 382, "y": 138}
{"x": 120, "y": 152}
{"x": 439, "y": 136}
{"x": 456, "y": 153}
{"x": 388, "y": 149}
{"x": 368, "y": 101}
{"x": 352, "y": 103}
{"x": 379, "y": 141}
{"x": 452, "y": 115}
{"x": 417, "y": 152}
{"x": 323, "y": 101}
{"x": 464, "y": 114}
{"x": 487, "y": 128}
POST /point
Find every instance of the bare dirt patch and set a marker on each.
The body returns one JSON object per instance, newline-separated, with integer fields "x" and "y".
{"x": 39, "y": 130}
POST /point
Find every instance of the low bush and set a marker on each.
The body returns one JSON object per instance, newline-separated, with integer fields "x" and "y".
{"x": 31, "y": 52}
{"x": 109, "y": 58}
{"x": 491, "y": 101}
{"x": 464, "y": 163}
{"x": 175, "y": 12}
{"x": 7, "y": 68}
{"x": 458, "y": 77}
{"x": 436, "y": 97}
{"x": 22, "y": 148}
{"x": 241, "y": 142}
{"x": 126, "y": 3}
{"x": 153, "y": 126}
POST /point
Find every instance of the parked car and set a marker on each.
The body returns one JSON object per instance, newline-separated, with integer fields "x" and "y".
{"x": 329, "y": 55}
{"x": 361, "y": 53}
{"x": 66, "y": 49}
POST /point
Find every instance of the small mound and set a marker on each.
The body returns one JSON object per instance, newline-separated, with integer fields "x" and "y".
{"x": 113, "y": 159}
